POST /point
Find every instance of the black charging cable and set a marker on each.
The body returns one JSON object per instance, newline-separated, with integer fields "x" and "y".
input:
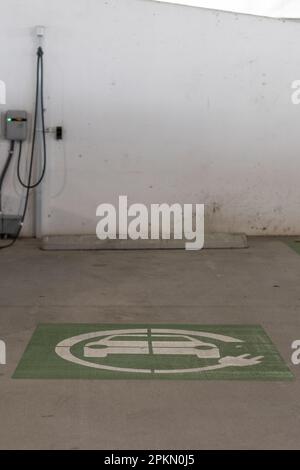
{"x": 39, "y": 95}
{"x": 39, "y": 91}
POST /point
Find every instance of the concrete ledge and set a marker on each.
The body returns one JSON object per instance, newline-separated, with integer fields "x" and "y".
{"x": 89, "y": 242}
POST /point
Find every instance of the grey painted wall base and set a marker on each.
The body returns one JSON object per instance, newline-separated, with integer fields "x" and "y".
{"x": 89, "y": 242}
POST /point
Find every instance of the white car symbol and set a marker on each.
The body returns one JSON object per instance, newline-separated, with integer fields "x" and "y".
{"x": 156, "y": 344}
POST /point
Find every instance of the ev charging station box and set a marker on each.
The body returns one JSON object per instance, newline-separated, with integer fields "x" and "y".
{"x": 16, "y": 126}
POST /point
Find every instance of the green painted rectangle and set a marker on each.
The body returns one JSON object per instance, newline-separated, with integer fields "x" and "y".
{"x": 170, "y": 351}
{"x": 294, "y": 244}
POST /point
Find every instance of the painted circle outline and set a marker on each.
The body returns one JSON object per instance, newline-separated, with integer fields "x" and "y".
{"x": 63, "y": 348}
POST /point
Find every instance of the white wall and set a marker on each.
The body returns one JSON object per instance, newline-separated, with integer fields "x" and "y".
{"x": 163, "y": 103}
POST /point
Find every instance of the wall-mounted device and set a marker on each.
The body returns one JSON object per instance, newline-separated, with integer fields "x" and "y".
{"x": 16, "y": 130}
{"x": 16, "y": 126}
{"x": 57, "y": 131}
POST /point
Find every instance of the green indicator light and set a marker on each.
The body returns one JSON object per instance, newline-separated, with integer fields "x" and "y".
{"x": 9, "y": 119}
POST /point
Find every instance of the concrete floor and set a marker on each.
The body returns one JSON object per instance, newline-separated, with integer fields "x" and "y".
{"x": 215, "y": 286}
